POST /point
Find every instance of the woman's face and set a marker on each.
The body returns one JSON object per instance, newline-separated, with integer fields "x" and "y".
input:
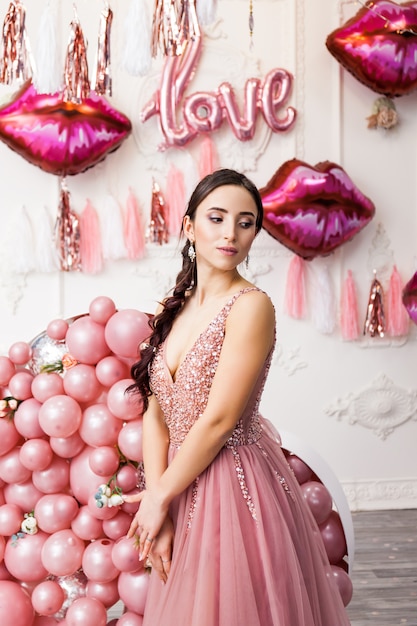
{"x": 224, "y": 227}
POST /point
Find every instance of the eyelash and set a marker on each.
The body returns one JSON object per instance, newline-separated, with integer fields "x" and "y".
{"x": 218, "y": 220}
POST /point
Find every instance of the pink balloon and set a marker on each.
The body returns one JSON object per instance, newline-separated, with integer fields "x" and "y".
{"x": 46, "y": 385}
{"x": 302, "y": 471}
{"x": 11, "y": 468}
{"x": 81, "y": 383}
{"x": 48, "y": 597}
{"x": 20, "y": 385}
{"x": 11, "y": 516}
{"x": 4, "y": 572}
{"x": 126, "y": 330}
{"x": 44, "y": 620}
{"x": 83, "y": 481}
{"x": 57, "y": 329}
{"x": 67, "y": 447}
{"x": 7, "y": 370}
{"x": 55, "y": 512}
{"x": 130, "y": 619}
{"x": 127, "y": 477}
{"x": 36, "y": 454}
{"x": 111, "y": 369}
{"x": 25, "y": 495}
{"x": 125, "y": 555}
{"x": 344, "y": 584}
{"x": 2, "y": 547}
{"x": 104, "y": 460}
{"x": 86, "y": 612}
{"x": 334, "y": 538}
{"x": 86, "y": 526}
{"x": 106, "y": 593}
{"x": 131, "y": 507}
{"x": 86, "y": 341}
{"x": 117, "y": 526}
{"x": 9, "y": 435}
{"x": 97, "y": 561}
{"x": 62, "y": 553}
{"x": 15, "y": 605}
{"x": 101, "y": 309}
{"x": 60, "y": 416}
{"x": 122, "y": 404}
{"x": 53, "y": 479}
{"x": 20, "y": 352}
{"x": 26, "y": 419}
{"x": 23, "y": 557}
{"x": 99, "y": 427}
{"x": 133, "y": 587}
{"x": 318, "y": 499}
{"x": 130, "y": 440}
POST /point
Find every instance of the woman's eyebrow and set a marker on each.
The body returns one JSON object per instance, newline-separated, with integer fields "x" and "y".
{"x": 222, "y": 210}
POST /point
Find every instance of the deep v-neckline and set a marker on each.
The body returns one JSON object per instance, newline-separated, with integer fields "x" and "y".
{"x": 174, "y": 377}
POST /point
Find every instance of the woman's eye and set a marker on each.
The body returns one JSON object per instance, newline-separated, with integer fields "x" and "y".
{"x": 216, "y": 219}
{"x": 246, "y": 224}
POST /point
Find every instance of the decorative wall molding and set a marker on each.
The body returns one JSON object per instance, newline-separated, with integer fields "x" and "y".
{"x": 381, "y": 407}
{"x": 379, "y": 495}
{"x": 289, "y": 361}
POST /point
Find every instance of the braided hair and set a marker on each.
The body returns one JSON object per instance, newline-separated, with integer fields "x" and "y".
{"x": 186, "y": 280}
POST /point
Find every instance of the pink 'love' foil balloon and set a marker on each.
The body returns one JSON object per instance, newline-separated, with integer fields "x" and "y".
{"x": 62, "y": 138}
{"x": 378, "y": 46}
{"x": 312, "y": 210}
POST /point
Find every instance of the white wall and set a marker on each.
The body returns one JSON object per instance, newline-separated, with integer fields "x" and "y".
{"x": 319, "y": 385}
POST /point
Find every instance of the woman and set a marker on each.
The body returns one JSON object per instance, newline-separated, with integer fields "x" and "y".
{"x": 222, "y": 519}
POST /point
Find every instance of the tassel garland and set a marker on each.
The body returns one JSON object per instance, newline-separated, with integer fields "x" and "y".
{"x": 375, "y": 314}
{"x": 90, "y": 241}
{"x": 137, "y": 58}
{"x": 48, "y": 75}
{"x": 208, "y": 158}
{"x": 45, "y": 252}
{"x": 323, "y": 308}
{"x": 349, "y": 309}
{"x": 103, "y": 81}
{"x": 77, "y": 83}
{"x": 294, "y": 304}
{"x": 67, "y": 233}
{"x": 206, "y": 11}
{"x": 397, "y": 317}
{"x": 112, "y": 235}
{"x": 16, "y": 64}
{"x": 134, "y": 238}
{"x": 176, "y": 186}
{"x": 157, "y": 231}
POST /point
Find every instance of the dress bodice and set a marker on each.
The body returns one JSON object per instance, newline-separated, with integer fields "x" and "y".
{"x": 184, "y": 400}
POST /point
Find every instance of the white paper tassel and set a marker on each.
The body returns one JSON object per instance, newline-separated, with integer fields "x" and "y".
{"x": 137, "y": 57}
{"x": 46, "y": 256}
{"x": 112, "y": 233}
{"x": 48, "y": 74}
{"x": 323, "y": 307}
{"x": 18, "y": 242}
{"x": 206, "y": 11}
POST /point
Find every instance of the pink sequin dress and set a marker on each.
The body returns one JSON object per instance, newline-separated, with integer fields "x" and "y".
{"x": 247, "y": 551}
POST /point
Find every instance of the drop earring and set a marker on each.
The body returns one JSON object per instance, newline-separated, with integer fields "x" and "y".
{"x": 191, "y": 252}
{"x": 247, "y": 262}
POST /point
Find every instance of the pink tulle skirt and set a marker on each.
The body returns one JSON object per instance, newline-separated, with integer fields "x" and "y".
{"x": 247, "y": 550}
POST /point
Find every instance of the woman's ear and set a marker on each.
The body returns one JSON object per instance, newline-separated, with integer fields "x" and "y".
{"x": 188, "y": 228}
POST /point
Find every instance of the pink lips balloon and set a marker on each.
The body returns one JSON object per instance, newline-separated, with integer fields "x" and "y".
{"x": 62, "y": 138}
{"x": 410, "y": 298}
{"x": 313, "y": 210}
{"x": 379, "y": 46}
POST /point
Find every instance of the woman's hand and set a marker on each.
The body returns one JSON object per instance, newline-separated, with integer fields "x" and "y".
{"x": 161, "y": 550}
{"x": 148, "y": 520}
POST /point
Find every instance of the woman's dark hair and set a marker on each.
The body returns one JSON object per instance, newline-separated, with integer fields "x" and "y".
{"x": 186, "y": 280}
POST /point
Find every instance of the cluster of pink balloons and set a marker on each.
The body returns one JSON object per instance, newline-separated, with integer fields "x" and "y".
{"x": 74, "y": 428}
{"x": 320, "y": 503}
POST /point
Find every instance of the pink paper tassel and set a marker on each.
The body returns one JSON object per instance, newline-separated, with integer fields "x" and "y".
{"x": 397, "y": 317}
{"x": 294, "y": 304}
{"x": 90, "y": 241}
{"x": 176, "y": 201}
{"x": 134, "y": 236}
{"x": 349, "y": 309}
{"x": 208, "y": 158}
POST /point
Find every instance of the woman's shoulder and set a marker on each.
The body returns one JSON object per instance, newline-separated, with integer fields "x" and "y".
{"x": 252, "y": 303}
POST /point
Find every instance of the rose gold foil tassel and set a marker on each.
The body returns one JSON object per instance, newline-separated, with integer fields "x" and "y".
{"x": 15, "y": 65}
{"x": 67, "y": 233}
{"x": 165, "y": 29}
{"x": 375, "y": 315}
{"x": 77, "y": 84}
{"x": 103, "y": 81}
{"x": 189, "y": 26}
{"x": 157, "y": 231}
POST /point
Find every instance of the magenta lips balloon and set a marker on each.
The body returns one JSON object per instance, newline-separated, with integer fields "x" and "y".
{"x": 312, "y": 210}
{"x": 379, "y": 46}
{"x": 62, "y": 138}
{"x": 410, "y": 298}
